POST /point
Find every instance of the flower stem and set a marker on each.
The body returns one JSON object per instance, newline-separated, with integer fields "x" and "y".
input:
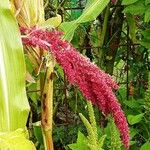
{"x": 47, "y": 107}
{"x": 103, "y": 33}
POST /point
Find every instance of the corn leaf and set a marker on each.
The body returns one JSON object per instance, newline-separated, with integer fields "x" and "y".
{"x": 91, "y": 11}
{"x": 14, "y": 106}
{"x": 28, "y": 12}
{"x": 51, "y": 22}
{"x": 16, "y": 140}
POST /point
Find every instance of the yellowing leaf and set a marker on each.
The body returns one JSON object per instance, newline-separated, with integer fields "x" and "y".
{"x": 52, "y": 22}
{"x": 29, "y": 13}
{"x": 16, "y": 140}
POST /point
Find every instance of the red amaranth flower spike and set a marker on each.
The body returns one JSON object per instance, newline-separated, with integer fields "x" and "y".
{"x": 95, "y": 85}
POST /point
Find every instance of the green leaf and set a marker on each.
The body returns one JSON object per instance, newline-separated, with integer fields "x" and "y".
{"x": 132, "y": 142}
{"x": 146, "y": 40}
{"x": 133, "y": 132}
{"x": 128, "y": 2}
{"x": 147, "y": 2}
{"x": 91, "y": 11}
{"x": 145, "y": 43}
{"x": 132, "y": 27}
{"x": 146, "y": 34}
{"x": 38, "y": 132}
{"x": 132, "y": 104}
{"x": 69, "y": 29}
{"x": 82, "y": 143}
{"x": 147, "y": 15}
{"x": 134, "y": 119}
{"x": 14, "y": 106}
{"x": 101, "y": 141}
{"x": 51, "y": 22}
{"x": 134, "y": 8}
{"x": 16, "y": 140}
{"x": 145, "y": 146}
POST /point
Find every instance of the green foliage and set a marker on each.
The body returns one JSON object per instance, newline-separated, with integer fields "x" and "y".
{"x": 82, "y": 143}
{"x": 135, "y": 7}
{"x": 14, "y": 107}
{"x": 38, "y": 132}
{"x": 115, "y": 137}
{"x": 132, "y": 27}
{"x": 91, "y": 11}
{"x": 91, "y": 141}
{"x": 147, "y": 101}
{"x": 145, "y": 146}
{"x": 65, "y": 134}
{"x": 133, "y": 132}
{"x": 133, "y": 119}
{"x": 92, "y": 119}
{"x": 128, "y": 2}
{"x": 145, "y": 41}
{"x": 147, "y": 14}
{"x": 113, "y": 141}
{"x": 133, "y": 104}
{"x": 101, "y": 142}
{"x": 147, "y": 2}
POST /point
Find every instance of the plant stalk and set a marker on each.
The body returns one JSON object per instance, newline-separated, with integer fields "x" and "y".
{"x": 103, "y": 33}
{"x": 47, "y": 107}
{"x": 104, "y": 28}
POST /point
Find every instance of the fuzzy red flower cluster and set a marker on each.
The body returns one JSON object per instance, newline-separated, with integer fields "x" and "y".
{"x": 96, "y": 85}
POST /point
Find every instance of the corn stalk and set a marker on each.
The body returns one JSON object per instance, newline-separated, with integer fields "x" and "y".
{"x": 30, "y": 13}
{"x": 14, "y": 107}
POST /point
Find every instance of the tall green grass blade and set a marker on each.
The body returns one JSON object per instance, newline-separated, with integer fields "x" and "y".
{"x": 91, "y": 11}
{"x": 14, "y": 106}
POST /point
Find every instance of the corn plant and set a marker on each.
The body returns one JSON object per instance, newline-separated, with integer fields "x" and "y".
{"x": 14, "y": 107}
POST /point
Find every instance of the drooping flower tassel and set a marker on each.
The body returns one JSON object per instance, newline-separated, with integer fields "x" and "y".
{"x": 95, "y": 85}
